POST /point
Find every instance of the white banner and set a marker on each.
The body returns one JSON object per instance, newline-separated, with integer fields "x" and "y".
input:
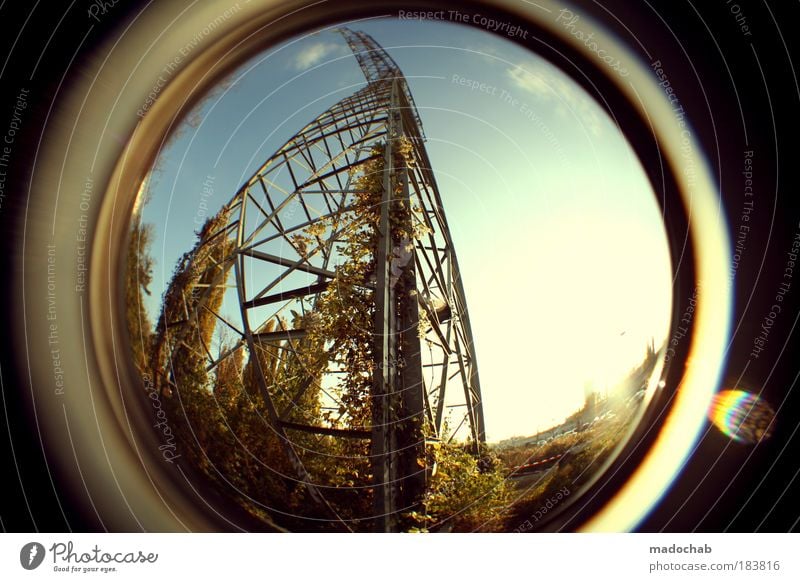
{"x": 357, "y": 557}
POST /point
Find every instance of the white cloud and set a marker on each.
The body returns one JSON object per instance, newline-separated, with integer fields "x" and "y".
{"x": 549, "y": 85}
{"x": 314, "y": 54}
{"x": 489, "y": 53}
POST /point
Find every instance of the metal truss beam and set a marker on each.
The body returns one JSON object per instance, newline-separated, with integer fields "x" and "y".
{"x": 283, "y": 233}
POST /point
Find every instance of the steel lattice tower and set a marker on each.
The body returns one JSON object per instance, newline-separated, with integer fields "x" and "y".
{"x": 421, "y": 379}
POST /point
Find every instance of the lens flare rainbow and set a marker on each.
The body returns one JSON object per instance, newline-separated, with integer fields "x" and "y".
{"x": 741, "y": 415}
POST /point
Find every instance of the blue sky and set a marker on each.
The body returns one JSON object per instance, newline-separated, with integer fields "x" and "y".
{"x": 557, "y": 230}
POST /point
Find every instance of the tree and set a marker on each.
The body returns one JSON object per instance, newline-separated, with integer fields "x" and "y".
{"x": 138, "y": 277}
{"x": 182, "y": 339}
{"x": 465, "y": 493}
{"x": 322, "y": 378}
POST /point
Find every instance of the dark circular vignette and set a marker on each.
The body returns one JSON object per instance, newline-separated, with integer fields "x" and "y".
{"x": 740, "y": 93}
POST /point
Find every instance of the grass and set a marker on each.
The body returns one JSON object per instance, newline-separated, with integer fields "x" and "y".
{"x": 582, "y": 455}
